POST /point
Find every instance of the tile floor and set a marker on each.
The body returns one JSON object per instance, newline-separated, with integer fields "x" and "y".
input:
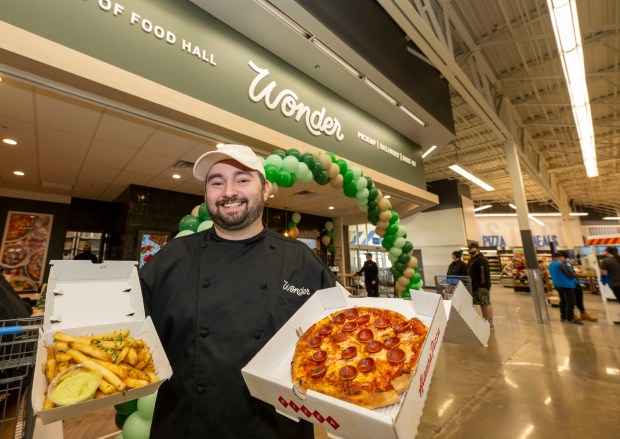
{"x": 532, "y": 381}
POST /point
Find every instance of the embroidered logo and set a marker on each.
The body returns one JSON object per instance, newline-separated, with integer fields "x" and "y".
{"x": 292, "y": 289}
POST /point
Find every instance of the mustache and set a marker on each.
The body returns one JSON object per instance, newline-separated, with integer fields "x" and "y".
{"x": 234, "y": 199}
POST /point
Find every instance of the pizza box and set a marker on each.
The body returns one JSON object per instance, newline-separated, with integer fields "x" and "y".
{"x": 268, "y": 375}
{"x": 465, "y": 326}
{"x": 83, "y": 299}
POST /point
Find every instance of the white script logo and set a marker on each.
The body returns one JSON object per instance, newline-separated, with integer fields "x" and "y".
{"x": 316, "y": 121}
{"x": 299, "y": 291}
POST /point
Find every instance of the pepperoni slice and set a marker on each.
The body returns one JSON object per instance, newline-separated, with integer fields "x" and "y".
{"x": 362, "y": 320}
{"x": 366, "y": 365}
{"x": 319, "y": 371}
{"x": 395, "y": 355}
{"x": 347, "y": 373}
{"x": 349, "y": 326}
{"x": 351, "y": 313}
{"x": 319, "y": 356}
{"x": 339, "y": 319}
{"x": 381, "y": 323}
{"x": 315, "y": 342}
{"x": 402, "y": 326}
{"x": 364, "y": 335}
{"x": 325, "y": 330}
{"x": 391, "y": 342}
{"x": 373, "y": 346}
{"x": 349, "y": 352}
{"x": 340, "y": 337}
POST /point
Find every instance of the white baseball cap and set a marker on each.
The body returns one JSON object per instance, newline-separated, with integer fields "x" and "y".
{"x": 240, "y": 153}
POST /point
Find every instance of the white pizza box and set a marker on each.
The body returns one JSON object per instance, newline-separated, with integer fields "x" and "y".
{"x": 84, "y": 299}
{"x": 465, "y": 326}
{"x": 268, "y": 375}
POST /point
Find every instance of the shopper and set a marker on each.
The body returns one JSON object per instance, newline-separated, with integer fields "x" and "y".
{"x": 583, "y": 314}
{"x": 216, "y": 297}
{"x": 457, "y": 266}
{"x": 564, "y": 282}
{"x": 371, "y": 276}
{"x": 610, "y": 267}
{"x": 86, "y": 255}
{"x": 480, "y": 275}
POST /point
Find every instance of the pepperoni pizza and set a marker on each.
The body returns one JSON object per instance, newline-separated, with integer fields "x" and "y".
{"x": 362, "y": 355}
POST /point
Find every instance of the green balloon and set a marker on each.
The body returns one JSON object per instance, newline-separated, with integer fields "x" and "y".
{"x": 347, "y": 177}
{"x": 373, "y": 220}
{"x": 329, "y": 226}
{"x": 203, "y": 213}
{"x": 369, "y": 183}
{"x": 285, "y": 179}
{"x": 372, "y": 204}
{"x": 395, "y": 251}
{"x": 407, "y": 247}
{"x": 331, "y": 248}
{"x": 184, "y": 233}
{"x": 119, "y": 420}
{"x": 416, "y": 278}
{"x": 146, "y": 405}
{"x": 294, "y": 152}
{"x": 119, "y": 436}
{"x": 392, "y": 229}
{"x": 404, "y": 258}
{"x": 406, "y": 294}
{"x": 360, "y": 184}
{"x": 387, "y": 244}
{"x": 362, "y": 195}
{"x": 399, "y": 242}
{"x": 400, "y": 266}
{"x": 394, "y": 218}
{"x": 322, "y": 178}
{"x": 332, "y": 156}
{"x": 274, "y": 160}
{"x": 396, "y": 273}
{"x": 350, "y": 190}
{"x": 290, "y": 164}
{"x": 307, "y": 177}
{"x": 301, "y": 171}
{"x": 136, "y": 427}
{"x": 317, "y": 169}
{"x": 342, "y": 164}
{"x": 272, "y": 172}
{"x": 189, "y": 222}
{"x": 357, "y": 172}
{"x": 279, "y": 153}
{"x": 291, "y": 224}
{"x": 373, "y": 194}
{"x": 127, "y": 407}
{"x": 309, "y": 160}
{"x": 401, "y": 231}
{"x": 205, "y": 225}
{"x": 330, "y": 232}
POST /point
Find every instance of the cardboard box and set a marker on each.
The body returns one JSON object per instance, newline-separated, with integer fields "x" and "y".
{"x": 268, "y": 376}
{"x": 84, "y": 299}
{"x": 465, "y": 326}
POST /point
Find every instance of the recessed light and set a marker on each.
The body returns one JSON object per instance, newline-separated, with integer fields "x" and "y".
{"x": 271, "y": 196}
{"x": 176, "y": 176}
{"x": 331, "y": 207}
{"x": 387, "y": 196}
{"x": 20, "y": 173}
{"x": 9, "y": 141}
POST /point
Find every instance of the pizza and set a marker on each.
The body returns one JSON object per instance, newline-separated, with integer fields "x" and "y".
{"x": 362, "y": 355}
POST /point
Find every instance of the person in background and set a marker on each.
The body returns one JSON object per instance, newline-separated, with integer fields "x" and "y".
{"x": 86, "y": 255}
{"x": 371, "y": 276}
{"x": 564, "y": 281}
{"x": 544, "y": 274}
{"x": 217, "y": 297}
{"x": 610, "y": 267}
{"x": 457, "y": 266}
{"x": 480, "y": 274}
{"x": 583, "y": 314}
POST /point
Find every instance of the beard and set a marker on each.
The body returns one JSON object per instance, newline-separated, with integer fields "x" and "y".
{"x": 235, "y": 221}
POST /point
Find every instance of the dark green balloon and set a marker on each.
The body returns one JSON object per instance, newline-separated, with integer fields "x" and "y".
{"x": 400, "y": 266}
{"x": 309, "y": 160}
{"x": 374, "y": 212}
{"x": 279, "y": 152}
{"x": 396, "y": 273}
{"x": 127, "y": 407}
{"x": 119, "y": 420}
{"x": 387, "y": 244}
{"x": 368, "y": 183}
{"x": 294, "y": 152}
{"x": 273, "y": 173}
{"x": 318, "y": 168}
{"x": 203, "y": 213}
{"x": 373, "y": 204}
{"x": 404, "y": 258}
{"x": 373, "y": 194}
{"x": 189, "y": 222}
{"x": 331, "y": 248}
{"x": 407, "y": 247}
{"x": 373, "y": 220}
{"x": 322, "y": 178}
{"x": 330, "y": 233}
{"x": 342, "y": 164}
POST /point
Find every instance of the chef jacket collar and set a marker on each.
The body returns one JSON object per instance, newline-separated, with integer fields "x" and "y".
{"x": 212, "y": 235}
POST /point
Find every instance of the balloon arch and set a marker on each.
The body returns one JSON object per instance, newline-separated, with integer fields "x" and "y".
{"x": 284, "y": 169}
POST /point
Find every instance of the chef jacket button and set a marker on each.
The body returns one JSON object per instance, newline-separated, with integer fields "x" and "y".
{"x": 263, "y": 285}
{"x": 258, "y": 334}
{"x": 204, "y": 332}
{"x": 200, "y": 389}
{"x": 203, "y": 244}
{"x": 206, "y": 283}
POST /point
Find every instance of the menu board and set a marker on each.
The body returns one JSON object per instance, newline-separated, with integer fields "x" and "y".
{"x": 24, "y": 248}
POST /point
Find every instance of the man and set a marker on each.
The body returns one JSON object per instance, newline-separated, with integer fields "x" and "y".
{"x": 371, "y": 276}
{"x": 217, "y": 297}
{"x": 564, "y": 281}
{"x": 86, "y": 255}
{"x": 583, "y": 314}
{"x": 478, "y": 271}
{"x": 610, "y": 267}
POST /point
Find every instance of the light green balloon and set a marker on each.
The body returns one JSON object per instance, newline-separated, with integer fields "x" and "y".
{"x": 204, "y": 225}
{"x": 329, "y": 226}
{"x": 290, "y": 163}
{"x": 296, "y": 217}
{"x": 360, "y": 184}
{"x": 357, "y": 173}
{"x": 392, "y": 258}
{"x": 119, "y": 436}
{"x": 302, "y": 170}
{"x": 399, "y": 242}
{"x": 136, "y": 427}
{"x": 401, "y": 231}
{"x": 307, "y": 178}
{"x": 363, "y": 208}
{"x": 362, "y": 195}
{"x": 275, "y": 160}
{"x": 396, "y": 252}
{"x": 146, "y": 406}
{"x": 184, "y": 233}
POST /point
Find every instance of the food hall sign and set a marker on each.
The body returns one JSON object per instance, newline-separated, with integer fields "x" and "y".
{"x": 317, "y": 122}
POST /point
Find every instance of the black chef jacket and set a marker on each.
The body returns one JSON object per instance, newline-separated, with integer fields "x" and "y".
{"x": 214, "y": 304}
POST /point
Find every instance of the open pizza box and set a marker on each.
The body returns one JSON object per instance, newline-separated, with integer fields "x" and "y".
{"x": 465, "y": 326}
{"x": 85, "y": 299}
{"x": 268, "y": 375}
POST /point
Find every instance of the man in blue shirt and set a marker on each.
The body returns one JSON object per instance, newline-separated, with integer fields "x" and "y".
{"x": 564, "y": 281}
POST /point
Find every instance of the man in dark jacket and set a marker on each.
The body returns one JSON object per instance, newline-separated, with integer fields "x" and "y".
{"x": 457, "y": 267}
{"x": 217, "y": 297}
{"x": 478, "y": 271}
{"x": 371, "y": 276}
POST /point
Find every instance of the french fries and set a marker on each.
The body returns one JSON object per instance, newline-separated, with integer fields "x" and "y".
{"x": 124, "y": 362}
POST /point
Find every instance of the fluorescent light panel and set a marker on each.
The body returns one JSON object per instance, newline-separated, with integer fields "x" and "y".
{"x": 409, "y": 113}
{"x": 494, "y": 214}
{"x": 611, "y": 218}
{"x": 333, "y": 55}
{"x": 486, "y": 206}
{"x": 513, "y": 206}
{"x": 536, "y": 220}
{"x": 429, "y": 150}
{"x": 470, "y": 177}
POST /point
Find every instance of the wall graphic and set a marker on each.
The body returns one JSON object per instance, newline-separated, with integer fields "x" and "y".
{"x": 24, "y": 248}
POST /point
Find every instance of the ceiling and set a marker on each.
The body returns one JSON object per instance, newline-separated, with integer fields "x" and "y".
{"x": 72, "y": 147}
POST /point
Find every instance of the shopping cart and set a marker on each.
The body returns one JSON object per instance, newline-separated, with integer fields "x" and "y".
{"x": 18, "y": 347}
{"x": 446, "y": 284}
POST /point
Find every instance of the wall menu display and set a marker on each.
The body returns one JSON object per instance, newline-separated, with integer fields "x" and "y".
{"x": 150, "y": 244}
{"x": 24, "y": 248}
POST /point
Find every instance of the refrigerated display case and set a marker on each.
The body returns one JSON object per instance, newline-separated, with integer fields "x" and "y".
{"x": 74, "y": 243}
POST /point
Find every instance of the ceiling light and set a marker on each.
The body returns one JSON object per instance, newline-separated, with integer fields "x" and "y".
{"x": 494, "y": 214}
{"x": 486, "y": 206}
{"x": 382, "y": 92}
{"x": 20, "y": 173}
{"x": 536, "y": 220}
{"x": 387, "y": 196}
{"x": 568, "y": 38}
{"x": 470, "y": 177}
{"x": 611, "y": 218}
{"x": 333, "y": 55}
{"x": 331, "y": 207}
{"x": 176, "y": 176}
{"x": 513, "y": 206}
{"x": 271, "y": 196}
{"x": 578, "y": 214}
{"x": 429, "y": 150}
{"x": 546, "y": 214}
{"x": 9, "y": 141}
{"x": 409, "y": 113}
